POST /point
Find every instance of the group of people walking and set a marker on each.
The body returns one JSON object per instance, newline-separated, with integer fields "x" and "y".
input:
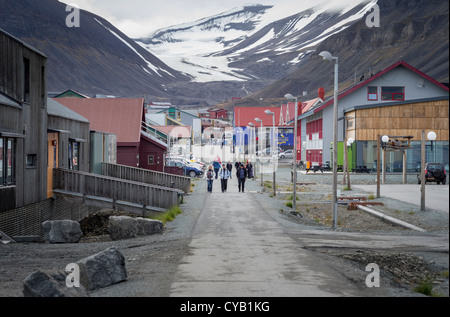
{"x": 224, "y": 173}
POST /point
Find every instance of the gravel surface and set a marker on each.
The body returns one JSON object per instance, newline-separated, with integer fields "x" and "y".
{"x": 156, "y": 258}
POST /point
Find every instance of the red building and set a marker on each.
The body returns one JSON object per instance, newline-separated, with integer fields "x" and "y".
{"x": 218, "y": 114}
{"x": 122, "y": 117}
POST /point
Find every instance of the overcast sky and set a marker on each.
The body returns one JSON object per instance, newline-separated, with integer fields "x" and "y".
{"x": 138, "y": 18}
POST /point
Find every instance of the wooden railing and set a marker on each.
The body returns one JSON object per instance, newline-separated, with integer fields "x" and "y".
{"x": 116, "y": 189}
{"x": 146, "y": 176}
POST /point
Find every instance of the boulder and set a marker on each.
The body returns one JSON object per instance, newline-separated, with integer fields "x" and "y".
{"x": 122, "y": 227}
{"x": 148, "y": 226}
{"x": 102, "y": 269}
{"x": 50, "y": 284}
{"x": 62, "y": 231}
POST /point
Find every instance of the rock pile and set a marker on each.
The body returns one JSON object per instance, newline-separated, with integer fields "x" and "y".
{"x": 406, "y": 268}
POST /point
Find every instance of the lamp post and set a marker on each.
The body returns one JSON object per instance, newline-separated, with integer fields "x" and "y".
{"x": 384, "y": 139}
{"x": 252, "y": 128}
{"x": 327, "y": 56}
{"x": 432, "y": 137}
{"x": 270, "y": 113}
{"x": 349, "y": 143}
{"x": 294, "y": 199}
{"x": 260, "y": 149}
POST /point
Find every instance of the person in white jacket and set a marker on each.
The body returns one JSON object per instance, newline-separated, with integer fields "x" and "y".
{"x": 224, "y": 175}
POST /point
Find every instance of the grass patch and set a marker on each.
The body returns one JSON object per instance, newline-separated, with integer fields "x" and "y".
{"x": 291, "y": 197}
{"x": 426, "y": 288}
{"x": 371, "y": 197}
{"x": 289, "y": 204}
{"x": 169, "y": 215}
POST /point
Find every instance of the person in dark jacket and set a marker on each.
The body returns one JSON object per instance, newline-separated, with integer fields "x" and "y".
{"x": 210, "y": 179}
{"x": 241, "y": 175}
{"x": 217, "y": 166}
{"x": 230, "y": 168}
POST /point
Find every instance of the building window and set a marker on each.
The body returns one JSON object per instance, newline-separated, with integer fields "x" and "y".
{"x": 7, "y": 162}
{"x": 31, "y": 161}
{"x": 74, "y": 155}
{"x": 151, "y": 160}
{"x": 26, "y": 80}
{"x": 393, "y": 93}
{"x": 372, "y": 93}
{"x": 43, "y": 88}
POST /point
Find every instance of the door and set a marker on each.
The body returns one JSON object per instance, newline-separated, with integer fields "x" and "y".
{"x": 53, "y": 141}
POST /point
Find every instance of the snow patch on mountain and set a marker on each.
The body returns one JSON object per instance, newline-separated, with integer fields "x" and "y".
{"x": 205, "y": 49}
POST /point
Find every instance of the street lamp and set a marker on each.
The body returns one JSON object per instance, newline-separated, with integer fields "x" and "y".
{"x": 384, "y": 139}
{"x": 260, "y": 150}
{"x": 432, "y": 137}
{"x": 251, "y": 125}
{"x": 294, "y": 199}
{"x": 270, "y": 113}
{"x": 349, "y": 143}
{"x": 327, "y": 56}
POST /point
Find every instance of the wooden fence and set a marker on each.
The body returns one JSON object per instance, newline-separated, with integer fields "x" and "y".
{"x": 146, "y": 176}
{"x": 116, "y": 189}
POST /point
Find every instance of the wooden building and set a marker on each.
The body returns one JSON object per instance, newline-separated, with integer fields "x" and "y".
{"x": 68, "y": 141}
{"x": 23, "y": 123}
{"x": 397, "y": 101}
{"x": 125, "y": 119}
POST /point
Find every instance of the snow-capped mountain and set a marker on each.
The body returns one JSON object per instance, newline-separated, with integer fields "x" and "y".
{"x": 253, "y": 42}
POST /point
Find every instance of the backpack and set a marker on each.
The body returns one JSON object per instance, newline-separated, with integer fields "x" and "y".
{"x": 209, "y": 175}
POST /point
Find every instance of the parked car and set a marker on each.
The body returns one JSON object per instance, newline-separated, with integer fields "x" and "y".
{"x": 188, "y": 170}
{"x": 268, "y": 151}
{"x": 196, "y": 165}
{"x": 434, "y": 172}
{"x": 289, "y": 154}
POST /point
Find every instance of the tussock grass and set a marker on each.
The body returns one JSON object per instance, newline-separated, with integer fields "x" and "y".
{"x": 169, "y": 215}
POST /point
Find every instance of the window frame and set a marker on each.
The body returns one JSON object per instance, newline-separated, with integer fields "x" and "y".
{"x": 369, "y": 93}
{"x": 393, "y": 94}
{"x": 8, "y": 154}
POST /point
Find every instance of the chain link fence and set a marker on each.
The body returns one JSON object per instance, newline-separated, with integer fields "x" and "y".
{"x": 27, "y": 221}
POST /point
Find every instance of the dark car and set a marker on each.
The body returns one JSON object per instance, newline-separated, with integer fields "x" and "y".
{"x": 434, "y": 172}
{"x": 187, "y": 170}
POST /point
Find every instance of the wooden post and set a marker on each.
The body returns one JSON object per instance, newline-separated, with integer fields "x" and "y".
{"x": 405, "y": 167}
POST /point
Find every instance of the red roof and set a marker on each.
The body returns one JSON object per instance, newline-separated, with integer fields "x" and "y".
{"x": 175, "y": 131}
{"x": 122, "y": 117}
{"x": 367, "y": 81}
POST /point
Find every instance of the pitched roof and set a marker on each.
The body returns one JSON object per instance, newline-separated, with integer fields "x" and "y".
{"x": 379, "y": 74}
{"x": 122, "y": 117}
{"x": 178, "y": 131}
{"x": 58, "y": 110}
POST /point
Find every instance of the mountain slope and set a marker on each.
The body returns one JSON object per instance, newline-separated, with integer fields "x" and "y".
{"x": 415, "y": 31}
{"x": 251, "y": 42}
{"x": 95, "y": 58}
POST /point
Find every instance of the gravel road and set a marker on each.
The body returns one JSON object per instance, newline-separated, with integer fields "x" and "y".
{"x": 152, "y": 261}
